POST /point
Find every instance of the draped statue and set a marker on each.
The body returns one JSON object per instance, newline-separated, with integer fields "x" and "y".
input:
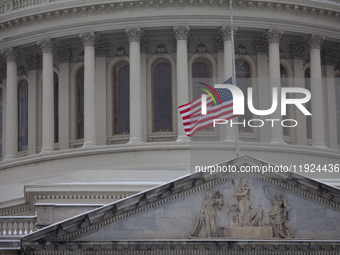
{"x": 279, "y": 215}
{"x": 210, "y": 214}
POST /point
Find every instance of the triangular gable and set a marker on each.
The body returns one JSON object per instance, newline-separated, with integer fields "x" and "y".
{"x": 180, "y": 193}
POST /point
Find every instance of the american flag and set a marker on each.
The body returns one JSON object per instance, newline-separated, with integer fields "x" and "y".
{"x": 193, "y": 120}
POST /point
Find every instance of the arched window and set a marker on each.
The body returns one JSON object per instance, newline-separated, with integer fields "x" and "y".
{"x": 161, "y": 96}
{"x": 23, "y": 115}
{"x": 56, "y": 109}
{"x": 243, "y": 75}
{"x": 337, "y": 86}
{"x": 308, "y": 104}
{"x": 202, "y": 72}
{"x": 80, "y": 103}
{"x": 121, "y": 98}
{"x": 283, "y": 75}
{"x": 1, "y": 123}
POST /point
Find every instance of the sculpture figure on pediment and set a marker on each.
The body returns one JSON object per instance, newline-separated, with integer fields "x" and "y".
{"x": 242, "y": 197}
{"x": 279, "y": 215}
{"x": 210, "y": 214}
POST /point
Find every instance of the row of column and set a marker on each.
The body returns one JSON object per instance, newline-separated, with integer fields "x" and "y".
{"x": 181, "y": 34}
{"x": 271, "y": 47}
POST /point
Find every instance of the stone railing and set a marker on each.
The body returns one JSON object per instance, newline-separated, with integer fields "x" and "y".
{"x": 17, "y": 225}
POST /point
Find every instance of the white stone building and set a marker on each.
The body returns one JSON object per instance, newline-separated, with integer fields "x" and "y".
{"x": 90, "y": 90}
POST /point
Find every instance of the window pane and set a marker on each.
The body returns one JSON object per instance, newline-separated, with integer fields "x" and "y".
{"x": 80, "y": 103}
{"x": 201, "y": 68}
{"x": 56, "y": 110}
{"x": 283, "y": 75}
{"x": 308, "y": 104}
{"x": 121, "y": 98}
{"x": 243, "y": 82}
{"x": 337, "y": 85}
{"x": 161, "y": 96}
{"x": 23, "y": 116}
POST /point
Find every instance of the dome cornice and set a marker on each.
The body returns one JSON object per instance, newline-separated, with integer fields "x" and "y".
{"x": 22, "y": 17}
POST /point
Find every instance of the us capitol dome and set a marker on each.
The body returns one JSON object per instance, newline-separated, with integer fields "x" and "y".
{"x": 89, "y": 92}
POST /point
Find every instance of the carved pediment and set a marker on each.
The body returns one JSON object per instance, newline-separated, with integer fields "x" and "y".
{"x": 203, "y": 206}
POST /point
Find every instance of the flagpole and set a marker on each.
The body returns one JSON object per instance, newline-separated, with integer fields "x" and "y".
{"x": 234, "y": 72}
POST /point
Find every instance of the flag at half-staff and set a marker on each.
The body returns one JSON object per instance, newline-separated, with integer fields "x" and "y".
{"x": 201, "y": 112}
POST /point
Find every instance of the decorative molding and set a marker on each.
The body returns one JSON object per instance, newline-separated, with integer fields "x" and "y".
{"x": 160, "y": 50}
{"x": 64, "y": 54}
{"x": 47, "y": 45}
{"x": 21, "y": 72}
{"x": 181, "y": 32}
{"x": 101, "y": 48}
{"x": 134, "y": 34}
{"x": 297, "y": 50}
{"x": 261, "y": 45}
{"x": 33, "y": 62}
{"x": 120, "y": 52}
{"x": 219, "y": 43}
{"x": 226, "y": 33}
{"x": 274, "y": 35}
{"x": 89, "y": 39}
{"x": 329, "y": 57}
{"x": 3, "y": 72}
{"x": 11, "y": 54}
{"x": 144, "y": 44}
{"x": 184, "y": 247}
{"x": 315, "y": 41}
{"x": 201, "y": 49}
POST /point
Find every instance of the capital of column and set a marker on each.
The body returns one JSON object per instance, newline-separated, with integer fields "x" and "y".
{"x": 88, "y": 38}
{"x": 261, "y": 45}
{"x": 64, "y": 54}
{"x": 181, "y": 32}
{"x": 329, "y": 57}
{"x": 101, "y": 48}
{"x": 315, "y": 41}
{"x": 11, "y": 54}
{"x": 33, "y": 62}
{"x": 134, "y": 34}
{"x": 226, "y": 33}
{"x": 274, "y": 35}
{"x": 297, "y": 49}
{"x": 47, "y": 45}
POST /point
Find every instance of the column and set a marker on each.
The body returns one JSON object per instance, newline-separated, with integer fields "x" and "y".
{"x": 220, "y": 74}
{"x": 48, "y": 96}
{"x": 64, "y": 57}
{"x": 274, "y": 37}
{"x": 143, "y": 45}
{"x": 89, "y": 40}
{"x": 101, "y": 51}
{"x": 228, "y": 71}
{"x": 299, "y": 82}
{"x": 318, "y": 128}
{"x": 11, "y": 55}
{"x": 134, "y": 35}
{"x": 33, "y": 62}
{"x": 3, "y": 82}
{"x": 181, "y": 34}
{"x": 329, "y": 57}
{"x": 261, "y": 46}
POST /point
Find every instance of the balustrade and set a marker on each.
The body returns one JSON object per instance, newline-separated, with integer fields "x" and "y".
{"x": 17, "y": 225}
